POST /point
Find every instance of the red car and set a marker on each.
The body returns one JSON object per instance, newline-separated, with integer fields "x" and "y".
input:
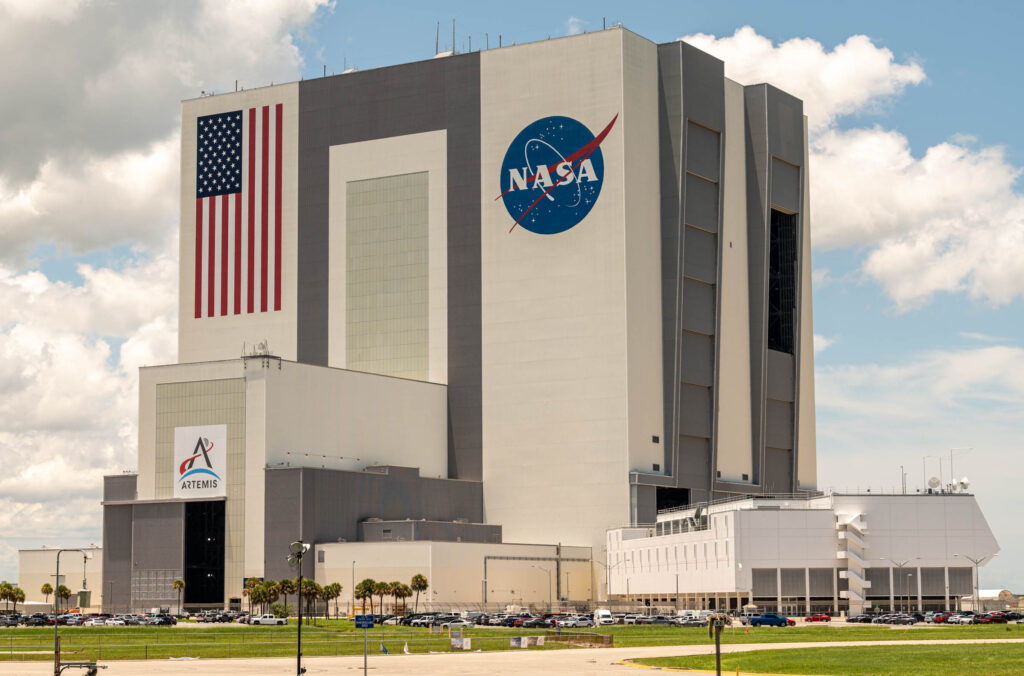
{"x": 820, "y": 617}
{"x": 940, "y": 618}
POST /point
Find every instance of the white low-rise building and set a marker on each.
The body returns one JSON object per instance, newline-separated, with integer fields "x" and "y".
{"x": 834, "y": 552}
{"x": 78, "y": 567}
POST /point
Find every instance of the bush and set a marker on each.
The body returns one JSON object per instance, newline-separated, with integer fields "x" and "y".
{"x": 280, "y": 610}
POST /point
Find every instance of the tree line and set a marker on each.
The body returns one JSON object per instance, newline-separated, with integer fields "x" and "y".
{"x": 368, "y": 588}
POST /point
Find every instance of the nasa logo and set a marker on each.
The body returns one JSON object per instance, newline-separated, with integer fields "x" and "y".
{"x": 552, "y": 174}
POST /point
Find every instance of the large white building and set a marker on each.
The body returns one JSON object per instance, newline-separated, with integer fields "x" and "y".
{"x": 504, "y": 299}
{"x": 802, "y": 554}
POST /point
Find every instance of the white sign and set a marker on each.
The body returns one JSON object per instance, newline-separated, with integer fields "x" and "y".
{"x": 200, "y": 461}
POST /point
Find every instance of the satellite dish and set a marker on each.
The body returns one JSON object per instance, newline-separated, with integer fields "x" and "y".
{"x": 964, "y": 483}
{"x": 934, "y": 482}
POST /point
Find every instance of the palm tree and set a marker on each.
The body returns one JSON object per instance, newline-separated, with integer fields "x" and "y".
{"x": 63, "y": 593}
{"x": 335, "y": 591}
{"x": 382, "y": 589}
{"x": 325, "y": 596}
{"x": 18, "y": 596}
{"x": 394, "y": 591}
{"x": 178, "y": 586}
{"x": 46, "y": 590}
{"x": 5, "y": 593}
{"x": 419, "y": 584}
{"x": 365, "y": 590}
{"x": 310, "y": 592}
{"x": 286, "y": 587}
{"x": 404, "y": 592}
{"x": 273, "y": 592}
{"x": 250, "y": 584}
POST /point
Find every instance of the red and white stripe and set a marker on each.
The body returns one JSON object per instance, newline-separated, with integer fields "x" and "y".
{"x": 238, "y": 236}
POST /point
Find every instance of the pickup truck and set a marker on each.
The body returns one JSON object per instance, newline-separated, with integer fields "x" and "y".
{"x": 765, "y": 619}
{"x": 267, "y": 618}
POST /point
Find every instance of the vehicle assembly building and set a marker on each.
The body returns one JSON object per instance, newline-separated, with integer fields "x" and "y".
{"x": 476, "y": 311}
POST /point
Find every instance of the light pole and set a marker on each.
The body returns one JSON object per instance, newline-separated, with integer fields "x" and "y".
{"x": 352, "y": 603}
{"x": 568, "y": 594}
{"x": 977, "y": 575}
{"x": 550, "y": 606}
{"x": 297, "y": 550}
{"x": 899, "y": 566}
{"x": 56, "y": 624}
{"x": 607, "y": 576}
{"x": 907, "y": 590}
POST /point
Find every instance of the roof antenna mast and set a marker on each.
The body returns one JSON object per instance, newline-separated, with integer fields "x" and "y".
{"x": 437, "y": 39}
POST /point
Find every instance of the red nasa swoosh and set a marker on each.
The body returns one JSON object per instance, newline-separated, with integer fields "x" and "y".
{"x": 575, "y": 159}
{"x": 181, "y": 467}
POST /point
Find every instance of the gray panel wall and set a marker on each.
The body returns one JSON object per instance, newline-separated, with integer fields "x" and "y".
{"x": 119, "y": 487}
{"x": 381, "y": 103}
{"x": 158, "y": 552}
{"x": 117, "y": 556}
{"x": 775, "y": 141}
{"x": 333, "y": 503}
{"x": 691, "y": 118}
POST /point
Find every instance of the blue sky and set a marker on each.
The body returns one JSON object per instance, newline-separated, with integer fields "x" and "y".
{"x": 917, "y": 304}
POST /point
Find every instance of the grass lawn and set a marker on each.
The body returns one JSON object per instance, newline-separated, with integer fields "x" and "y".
{"x": 911, "y": 660}
{"x": 339, "y": 637}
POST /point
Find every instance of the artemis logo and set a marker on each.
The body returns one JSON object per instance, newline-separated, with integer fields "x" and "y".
{"x": 552, "y": 174}
{"x": 188, "y": 469}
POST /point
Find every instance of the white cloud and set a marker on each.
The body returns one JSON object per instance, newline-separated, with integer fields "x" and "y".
{"x": 127, "y": 198}
{"x": 924, "y": 406}
{"x": 91, "y": 108}
{"x": 91, "y": 154}
{"x": 575, "y": 25}
{"x": 821, "y": 343}
{"x": 853, "y": 77}
{"x": 68, "y": 398}
{"x": 948, "y": 221}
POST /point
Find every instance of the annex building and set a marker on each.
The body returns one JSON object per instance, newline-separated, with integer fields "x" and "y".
{"x": 478, "y": 309}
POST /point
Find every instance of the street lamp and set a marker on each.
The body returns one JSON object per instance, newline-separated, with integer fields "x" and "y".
{"x": 907, "y": 589}
{"x": 352, "y": 604}
{"x": 977, "y": 580}
{"x": 56, "y": 639}
{"x": 297, "y": 550}
{"x": 550, "y": 606}
{"x": 899, "y": 566}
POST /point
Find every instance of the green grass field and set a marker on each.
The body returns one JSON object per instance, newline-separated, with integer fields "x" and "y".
{"x": 911, "y": 660}
{"x": 338, "y": 637}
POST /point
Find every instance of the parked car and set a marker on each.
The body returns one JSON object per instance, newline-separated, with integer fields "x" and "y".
{"x": 456, "y": 623}
{"x": 538, "y": 623}
{"x": 768, "y": 620}
{"x": 692, "y": 621}
{"x": 991, "y": 618}
{"x": 859, "y": 619}
{"x": 631, "y": 619}
{"x": 656, "y": 619}
{"x": 819, "y": 617}
{"x": 269, "y": 618}
{"x": 114, "y": 622}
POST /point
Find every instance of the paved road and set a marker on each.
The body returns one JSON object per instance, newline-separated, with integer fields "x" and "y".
{"x": 570, "y": 661}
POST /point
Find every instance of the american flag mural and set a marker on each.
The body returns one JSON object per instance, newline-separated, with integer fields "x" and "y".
{"x": 238, "y": 212}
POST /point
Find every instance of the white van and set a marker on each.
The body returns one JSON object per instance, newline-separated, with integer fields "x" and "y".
{"x": 603, "y": 616}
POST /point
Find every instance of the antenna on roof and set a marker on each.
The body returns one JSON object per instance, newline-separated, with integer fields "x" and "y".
{"x": 453, "y": 35}
{"x": 437, "y": 39}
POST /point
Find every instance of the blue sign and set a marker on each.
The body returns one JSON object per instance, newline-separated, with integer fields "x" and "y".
{"x": 364, "y": 621}
{"x": 552, "y": 174}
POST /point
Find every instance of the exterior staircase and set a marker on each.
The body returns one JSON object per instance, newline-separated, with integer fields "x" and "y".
{"x": 852, "y": 540}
